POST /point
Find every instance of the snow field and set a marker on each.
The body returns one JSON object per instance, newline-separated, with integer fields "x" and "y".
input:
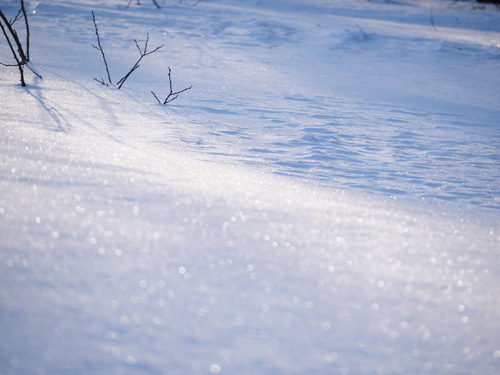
{"x": 271, "y": 220}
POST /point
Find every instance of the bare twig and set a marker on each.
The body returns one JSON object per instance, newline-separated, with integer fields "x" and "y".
{"x": 13, "y": 33}
{"x": 99, "y": 48}
{"x": 19, "y": 63}
{"x": 156, "y": 97}
{"x": 33, "y": 71}
{"x": 172, "y": 95}
{"x": 143, "y": 53}
{"x": 17, "y": 17}
{"x": 21, "y": 54}
{"x": 27, "y": 31}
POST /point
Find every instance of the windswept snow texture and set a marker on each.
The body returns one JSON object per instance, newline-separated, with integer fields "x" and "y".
{"x": 325, "y": 200}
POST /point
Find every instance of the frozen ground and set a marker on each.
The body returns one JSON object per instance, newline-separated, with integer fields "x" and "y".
{"x": 325, "y": 200}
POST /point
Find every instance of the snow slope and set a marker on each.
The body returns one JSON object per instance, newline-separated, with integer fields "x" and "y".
{"x": 325, "y": 200}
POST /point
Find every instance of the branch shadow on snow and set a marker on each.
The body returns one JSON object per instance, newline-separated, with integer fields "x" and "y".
{"x": 57, "y": 119}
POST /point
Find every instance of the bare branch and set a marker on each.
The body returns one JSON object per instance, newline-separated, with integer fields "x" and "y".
{"x": 22, "y": 56}
{"x": 8, "y": 64}
{"x": 156, "y": 97}
{"x": 125, "y": 77}
{"x": 23, "y": 9}
{"x": 33, "y": 71}
{"x": 156, "y": 49}
{"x": 99, "y": 47}
{"x": 138, "y": 48}
{"x": 20, "y": 62}
{"x": 144, "y": 52}
{"x": 101, "y": 81}
{"x": 171, "y": 95}
{"x": 17, "y": 17}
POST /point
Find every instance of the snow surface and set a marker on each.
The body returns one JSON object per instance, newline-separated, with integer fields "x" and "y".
{"x": 324, "y": 200}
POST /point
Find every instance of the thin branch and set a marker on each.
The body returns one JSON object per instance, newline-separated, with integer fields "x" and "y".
{"x": 17, "y": 17}
{"x": 13, "y": 32}
{"x": 9, "y": 65}
{"x": 33, "y": 71}
{"x": 99, "y": 48}
{"x": 22, "y": 56}
{"x": 20, "y": 63}
{"x": 143, "y": 53}
{"x": 27, "y": 31}
{"x": 125, "y": 77}
{"x": 172, "y": 95}
{"x": 101, "y": 81}
{"x": 156, "y": 97}
{"x": 139, "y": 48}
{"x": 176, "y": 94}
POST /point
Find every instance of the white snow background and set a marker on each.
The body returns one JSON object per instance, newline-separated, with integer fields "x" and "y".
{"x": 324, "y": 200}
